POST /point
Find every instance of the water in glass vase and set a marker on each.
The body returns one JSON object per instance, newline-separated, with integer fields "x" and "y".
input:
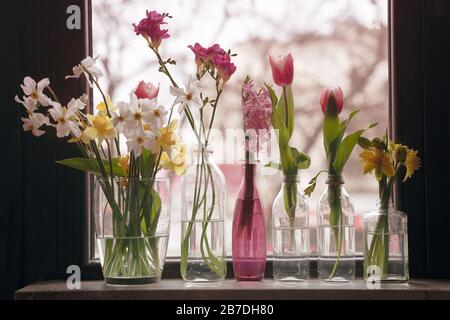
{"x": 336, "y": 264}
{"x": 397, "y": 264}
{"x": 205, "y": 258}
{"x": 291, "y": 254}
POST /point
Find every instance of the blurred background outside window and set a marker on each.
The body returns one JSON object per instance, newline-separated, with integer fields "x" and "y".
{"x": 334, "y": 43}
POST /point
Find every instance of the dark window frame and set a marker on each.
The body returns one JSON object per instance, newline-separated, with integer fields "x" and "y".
{"x": 45, "y": 220}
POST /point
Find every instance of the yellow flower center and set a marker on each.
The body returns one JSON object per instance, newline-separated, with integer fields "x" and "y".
{"x": 157, "y": 113}
{"x": 137, "y": 116}
{"x": 189, "y": 96}
{"x": 140, "y": 140}
{"x": 34, "y": 95}
{"x": 62, "y": 121}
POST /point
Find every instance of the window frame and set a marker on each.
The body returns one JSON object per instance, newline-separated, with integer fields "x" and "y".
{"x": 45, "y": 234}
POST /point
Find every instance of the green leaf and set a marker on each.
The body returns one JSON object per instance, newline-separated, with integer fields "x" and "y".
{"x": 302, "y": 160}
{"x": 147, "y": 163}
{"x": 92, "y": 165}
{"x": 287, "y": 113}
{"x": 283, "y": 141}
{"x": 273, "y": 95}
{"x": 151, "y": 214}
{"x": 274, "y": 165}
{"x": 345, "y": 149}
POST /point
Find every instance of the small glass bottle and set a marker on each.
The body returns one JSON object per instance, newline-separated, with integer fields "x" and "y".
{"x": 386, "y": 245}
{"x": 203, "y": 209}
{"x": 249, "y": 230}
{"x": 291, "y": 233}
{"x": 336, "y": 233}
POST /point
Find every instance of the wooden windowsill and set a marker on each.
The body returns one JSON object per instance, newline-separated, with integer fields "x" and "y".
{"x": 232, "y": 290}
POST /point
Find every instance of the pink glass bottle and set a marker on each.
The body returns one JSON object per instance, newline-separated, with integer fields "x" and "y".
{"x": 249, "y": 231}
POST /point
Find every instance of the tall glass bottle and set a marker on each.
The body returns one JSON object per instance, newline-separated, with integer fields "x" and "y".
{"x": 249, "y": 230}
{"x": 291, "y": 233}
{"x": 336, "y": 233}
{"x": 203, "y": 208}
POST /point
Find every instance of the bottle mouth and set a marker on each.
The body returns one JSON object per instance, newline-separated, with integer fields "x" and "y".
{"x": 201, "y": 148}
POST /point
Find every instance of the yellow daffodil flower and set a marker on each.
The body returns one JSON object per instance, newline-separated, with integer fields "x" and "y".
{"x": 101, "y": 107}
{"x": 101, "y": 129}
{"x": 176, "y": 161}
{"x": 379, "y": 161}
{"x": 412, "y": 163}
{"x": 167, "y": 137}
{"x": 123, "y": 164}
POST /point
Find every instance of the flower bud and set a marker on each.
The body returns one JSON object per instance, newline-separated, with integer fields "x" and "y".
{"x": 338, "y": 96}
{"x": 379, "y": 144}
{"x": 400, "y": 153}
{"x": 282, "y": 69}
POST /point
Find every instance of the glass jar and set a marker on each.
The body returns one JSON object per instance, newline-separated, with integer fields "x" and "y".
{"x": 132, "y": 224}
{"x": 386, "y": 245}
{"x": 336, "y": 233}
{"x": 291, "y": 233}
{"x": 203, "y": 209}
{"x": 249, "y": 230}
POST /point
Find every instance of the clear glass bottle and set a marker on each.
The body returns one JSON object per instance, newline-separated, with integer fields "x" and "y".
{"x": 386, "y": 245}
{"x": 336, "y": 233}
{"x": 203, "y": 209}
{"x": 249, "y": 230}
{"x": 291, "y": 233}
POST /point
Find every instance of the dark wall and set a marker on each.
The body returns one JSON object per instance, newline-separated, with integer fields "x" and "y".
{"x": 41, "y": 204}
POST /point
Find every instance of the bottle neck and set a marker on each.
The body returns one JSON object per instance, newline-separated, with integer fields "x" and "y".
{"x": 335, "y": 180}
{"x": 202, "y": 154}
{"x": 291, "y": 179}
{"x": 385, "y": 206}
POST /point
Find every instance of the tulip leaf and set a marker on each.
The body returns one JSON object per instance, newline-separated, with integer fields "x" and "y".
{"x": 302, "y": 160}
{"x": 283, "y": 141}
{"x": 151, "y": 214}
{"x": 274, "y": 165}
{"x": 287, "y": 113}
{"x": 273, "y": 96}
{"x": 346, "y": 148}
{"x": 92, "y": 165}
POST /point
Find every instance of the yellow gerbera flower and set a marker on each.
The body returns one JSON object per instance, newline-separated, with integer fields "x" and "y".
{"x": 412, "y": 163}
{"x": 101, "y": 128}
{"x": 379, "y": 161}
{"x": 167, "y": 137}
{"x": 176, "y": 161}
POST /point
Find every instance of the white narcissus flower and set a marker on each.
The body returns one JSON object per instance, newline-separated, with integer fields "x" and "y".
{"x": 35, "y": 91}
{"x": 140, "y": 140}
{"x": 28, "y": 103}
{"x": 86, "y": 67}
{"x": 139, "y": 113}
{"x": 66, "y": 122}
{"x": 188, "y": 97}
{"x": 34, "y": 123}
{"x": 155, "y": 116}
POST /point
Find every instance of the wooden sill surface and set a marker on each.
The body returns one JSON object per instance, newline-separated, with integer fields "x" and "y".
{"x": 232, "y": 290}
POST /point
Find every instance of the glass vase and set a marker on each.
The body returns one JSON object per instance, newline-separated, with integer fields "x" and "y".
{"x": 249, "y": 230}
{"x": 336, "y": 233}
{"x": 386, "y": 246}
{"x": 291, "y": 233}
{"x": 132, "y": 223}
{"x": 203, "y": 208}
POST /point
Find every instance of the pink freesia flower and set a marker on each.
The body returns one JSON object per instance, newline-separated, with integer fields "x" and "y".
{"x": 338, "y": 96}
{"x": 282, "y": 69}
{"x": 201, "y": 54}
{"x": 225, "y": 68}
{"x": 257, "y": 111}
{"x": 150, "y": 28}
{"x": 146, "y": 91}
